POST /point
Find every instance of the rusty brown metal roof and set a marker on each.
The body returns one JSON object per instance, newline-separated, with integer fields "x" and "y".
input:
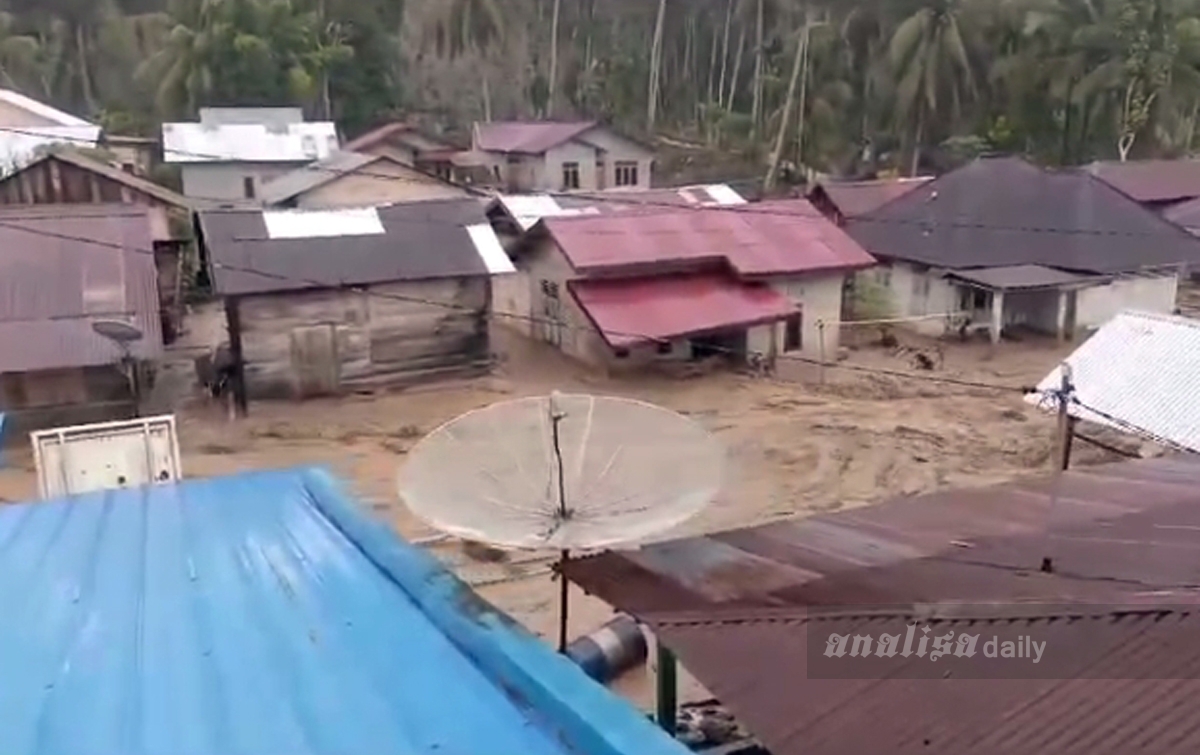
{"x": 733, "y": 606}
{"x": 1153, "y": 181}
{"x": 940, "y": 546}
{"x": 63, "y": 267}
{"x": 854, "y": 198}
{"x": 1115, "y": 682}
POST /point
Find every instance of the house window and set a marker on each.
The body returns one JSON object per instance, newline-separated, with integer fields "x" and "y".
{"x": 627, "y": 173}
{"x": 513, "y": 159}
{"x": 570, "y": 176}
{"x": 248, "y": 187}
{"x": 664, "y": 347}
{"x": 792, "y": 336}
{"x": 621, "y": 353}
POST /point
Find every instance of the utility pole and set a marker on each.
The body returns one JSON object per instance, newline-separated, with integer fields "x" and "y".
{"x": 1062, "y": 456}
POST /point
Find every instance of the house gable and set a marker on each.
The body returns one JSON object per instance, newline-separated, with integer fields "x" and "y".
{"x": 381, "y": 181}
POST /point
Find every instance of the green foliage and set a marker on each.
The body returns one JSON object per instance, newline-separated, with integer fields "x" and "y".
{"x": 886, "y": 84}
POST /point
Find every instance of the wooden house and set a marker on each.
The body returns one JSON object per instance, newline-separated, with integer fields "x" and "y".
{"x": 322, "y": 302}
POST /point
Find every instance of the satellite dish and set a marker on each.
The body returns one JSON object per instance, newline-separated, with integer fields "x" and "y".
{"x": 562, "y": 472}
{"x": 117, "y": 330}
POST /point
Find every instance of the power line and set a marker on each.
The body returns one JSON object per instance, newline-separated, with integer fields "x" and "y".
{"x": 531, "y": 319}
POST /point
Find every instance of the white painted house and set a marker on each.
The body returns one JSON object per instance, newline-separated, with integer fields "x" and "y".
{"x": 558, "y": 156}
{"x": 1001, "y": 244}
{"x": 232, "y": 152}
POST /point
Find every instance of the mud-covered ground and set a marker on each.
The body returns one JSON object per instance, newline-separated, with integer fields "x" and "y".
{"x": 797, "y": 444}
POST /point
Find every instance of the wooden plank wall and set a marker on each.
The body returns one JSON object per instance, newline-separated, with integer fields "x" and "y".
{"x": 307, "y": 343}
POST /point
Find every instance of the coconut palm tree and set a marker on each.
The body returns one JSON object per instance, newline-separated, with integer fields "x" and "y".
{"x": 931, "y": 61}
{"x": 18, "y": 52}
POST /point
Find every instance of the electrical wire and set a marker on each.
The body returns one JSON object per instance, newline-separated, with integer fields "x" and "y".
{"x": 529, "y": 319}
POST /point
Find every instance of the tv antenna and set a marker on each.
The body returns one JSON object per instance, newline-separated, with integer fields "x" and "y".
{"x": 124, "y": 334}
{"x": 566, "y": 472}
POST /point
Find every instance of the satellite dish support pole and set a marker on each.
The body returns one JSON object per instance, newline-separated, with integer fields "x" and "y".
{"x": 564, "y": 513}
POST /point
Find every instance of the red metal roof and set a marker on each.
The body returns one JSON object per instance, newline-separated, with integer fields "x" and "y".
{"x": 630, "y": 311}
{"x": 1151, "y": 180}
{"x": 527, "y": 138}
{"x": 764, "y": 238}
{"x": 63, "y": 267}
{"x": 854, "y": 198}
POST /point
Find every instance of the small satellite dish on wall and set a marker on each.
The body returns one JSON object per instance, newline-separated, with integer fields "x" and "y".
{"x": 562, "y": 472}
{"x": 124, "y": 334}
{"x": 117, "y": 330}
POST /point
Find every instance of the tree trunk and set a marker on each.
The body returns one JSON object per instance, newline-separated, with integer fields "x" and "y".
{"x": 85, "y": 71}
{"x": 655, "y": 66}
{"x": 785, "y": 120}
{"x": 802, "y": 108}
{"x": 487, "y": 96}
{"x": 552, "y": 85}
{"x": 712, "y": 65}
{"x": 737, "y": 70}
{"x": 725, "y": 54}
{"x": 759, "y": 53}
{"x": 1064, "y": 157}
{"x": 917, "y": 139}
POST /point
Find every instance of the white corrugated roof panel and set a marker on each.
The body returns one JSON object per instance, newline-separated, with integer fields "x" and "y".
{"x": 1142, "y": 370}
{"x": 248, "y": 142}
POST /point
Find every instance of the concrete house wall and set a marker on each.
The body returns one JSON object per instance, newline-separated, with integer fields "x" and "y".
{"x": 597, "y": 151}
{"x": 1149, "y": 293}
{"x": 920, "y": 292}
{"x": 616, "y": 148}
{"x": 227, "y": 180}
{"x": 819, "y": 296}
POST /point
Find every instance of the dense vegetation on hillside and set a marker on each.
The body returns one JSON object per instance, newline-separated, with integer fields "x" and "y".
{"x": 840, "y": 85}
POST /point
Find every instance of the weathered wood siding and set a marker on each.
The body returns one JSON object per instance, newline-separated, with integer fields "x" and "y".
{"x": 311, "y": 343}
{"x": 54, "y": 182}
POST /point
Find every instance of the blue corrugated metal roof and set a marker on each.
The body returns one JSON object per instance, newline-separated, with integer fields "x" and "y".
{"x": 266, "y": 614}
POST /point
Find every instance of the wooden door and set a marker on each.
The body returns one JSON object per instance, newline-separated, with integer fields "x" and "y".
{"x": 315, "y": 367}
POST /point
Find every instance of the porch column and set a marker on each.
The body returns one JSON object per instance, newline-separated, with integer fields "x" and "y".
{"x": 997, "y": 315}
{"x": 1062, "y": 316}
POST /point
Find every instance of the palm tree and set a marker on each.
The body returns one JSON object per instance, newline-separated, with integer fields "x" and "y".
{"x": 18, "y": 52}
{"x": 930, "y": 59}
{"x": 184, "y": 70}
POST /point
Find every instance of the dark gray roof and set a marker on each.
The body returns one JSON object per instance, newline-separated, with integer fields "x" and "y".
{"x": 1003, "y": 211}
{"x": 317, "y": 174}
{"x": 1020, "y": 276}
{"x": 421, "y": 240}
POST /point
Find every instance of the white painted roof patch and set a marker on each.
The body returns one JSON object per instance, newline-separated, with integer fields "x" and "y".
{"x": 315, "y": 224}
{"x": 1142, "y": 369}
{"x": 490, "y": 251}
{"x": 248, "y": 142}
